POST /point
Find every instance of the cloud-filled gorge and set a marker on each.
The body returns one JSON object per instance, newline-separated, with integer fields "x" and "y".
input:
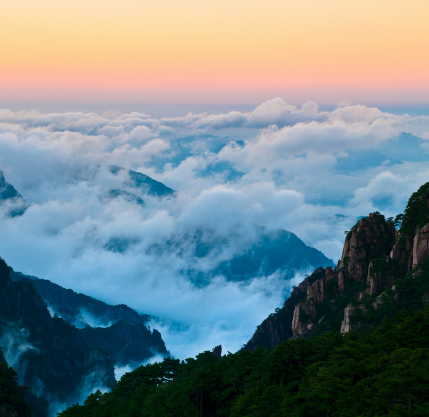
{"x": 235, "y": 176}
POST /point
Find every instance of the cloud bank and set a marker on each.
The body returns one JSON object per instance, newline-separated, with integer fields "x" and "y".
{"x": 278, "y": 167}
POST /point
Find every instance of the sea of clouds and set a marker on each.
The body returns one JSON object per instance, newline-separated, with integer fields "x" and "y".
{"x": 279, "y": 166}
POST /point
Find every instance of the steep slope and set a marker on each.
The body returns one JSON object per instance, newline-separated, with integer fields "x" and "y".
{"x": 126, "y": 344}
{"x": 381, "y": 270}
{"x": 117, "y": 330}
{"x": 80, "y": 309}
{"x": 14, "y": 203}
{"x": 16, "y": 400}
{"x": 277, "y": 327}
{"x": 11, "y": 394}
{"x": 47, "y": 352}
{"x": 279, "y": 251}
{"x": 268, "y": 252}
{"x": 143, "y": 182}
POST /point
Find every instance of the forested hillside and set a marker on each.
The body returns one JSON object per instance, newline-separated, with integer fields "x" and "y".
{"x": 377, "y": 365}
{"x": 377, "y": 373}
{"x": 11, "y": 394}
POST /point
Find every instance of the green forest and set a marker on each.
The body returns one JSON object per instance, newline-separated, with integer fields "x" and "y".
{"x": 379, "y": 372}
{"x": 11, "y": 397}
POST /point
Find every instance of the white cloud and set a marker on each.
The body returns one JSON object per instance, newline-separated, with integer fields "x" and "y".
{"x": 288, "y": 158}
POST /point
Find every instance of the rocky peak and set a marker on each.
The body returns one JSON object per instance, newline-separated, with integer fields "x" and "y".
{"x": 372, "y": 237}
{"x": 16, "y": 204}
{"x": 381, "y": 270}
{"x": 361, "y": 273}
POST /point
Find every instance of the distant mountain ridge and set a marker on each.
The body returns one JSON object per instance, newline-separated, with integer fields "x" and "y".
{"x": 16, "y": 203}
{"x": 269, "y": 252}
{"x": 280, "y": 251}
{"x": 79, "y": 309}
{"x": 118, "y": 330}
{"x": 47, "y": 352}
{"x": 143, "y": 182}
{"x": 53, "y": 357}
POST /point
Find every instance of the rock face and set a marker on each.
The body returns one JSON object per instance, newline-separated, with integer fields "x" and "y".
{"x": 48, "y": 353}
{"x": 421, "y": 246}
{"x": 377, "y": 270}
{"x": 278, "y": 326}
{"x": 14, "y": 203}
{"x": 370, "y": 238}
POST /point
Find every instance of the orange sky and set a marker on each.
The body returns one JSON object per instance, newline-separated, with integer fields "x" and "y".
{"x": 214, "y": 51}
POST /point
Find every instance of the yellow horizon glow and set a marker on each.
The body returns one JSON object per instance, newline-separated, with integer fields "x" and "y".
{"x": 127, "y": 47}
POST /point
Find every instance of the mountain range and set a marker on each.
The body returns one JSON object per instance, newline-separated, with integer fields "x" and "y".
{"x": 62, "y": 343}
{"x": 350, "y": 341}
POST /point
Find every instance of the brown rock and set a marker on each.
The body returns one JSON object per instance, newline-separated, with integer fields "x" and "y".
{"x": 371, "y": 238}
{"x": 345, "y": 325}
{"x": 300, "y": 324}
{"x": 315, "y": 292}
{"x": 421, "y": 246}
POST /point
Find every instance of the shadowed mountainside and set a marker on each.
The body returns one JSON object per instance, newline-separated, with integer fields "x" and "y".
{"x": 10, "y": 198}
{"x": 54, "y": 358}
{"x": 80, "y": 309}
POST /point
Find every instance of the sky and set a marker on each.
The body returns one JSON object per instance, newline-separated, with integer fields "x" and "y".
{"x": 304, "y": 114}
{"x": 277, "y": 166}
{"x": 213, "y": 52}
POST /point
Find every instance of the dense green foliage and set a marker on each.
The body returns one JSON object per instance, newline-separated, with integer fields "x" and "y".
{"x": 416, "y": 213}
{"x": 384, "y": 372}
{"x": 9, "y": 390}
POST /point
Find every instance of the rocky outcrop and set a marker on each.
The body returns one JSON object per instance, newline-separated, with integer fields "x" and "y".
{"x": 421, "y": 246}
{"x": 371, "y": 279}
{"x": 372, "y": 237}
{"x": 383, "y": 272}
{"x": 302, "y": 321}
{"x": 346, "y": 325}
{"x": 305, "y": 313}
{"x": 278, "y": 326}
{"x": 328, "y": 291}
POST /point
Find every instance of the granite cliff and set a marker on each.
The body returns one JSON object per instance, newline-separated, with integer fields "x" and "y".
{"x": 383, "y": 268}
